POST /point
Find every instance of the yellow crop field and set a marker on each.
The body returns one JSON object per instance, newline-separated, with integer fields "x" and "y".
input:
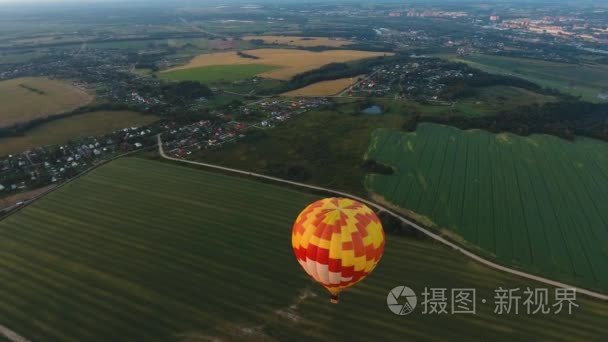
{"x": 301, "y": 41}
{"x": 289, "y": 61}
{"x": 324, "y": 88}
{"x": 27, "y": 98}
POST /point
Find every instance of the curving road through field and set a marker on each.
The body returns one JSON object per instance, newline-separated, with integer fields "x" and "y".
{"x": 423, "y": 230}
{"x": 11, "y": 335}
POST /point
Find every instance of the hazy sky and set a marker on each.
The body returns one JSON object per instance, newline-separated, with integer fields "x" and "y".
{"x": 276, "y": 1}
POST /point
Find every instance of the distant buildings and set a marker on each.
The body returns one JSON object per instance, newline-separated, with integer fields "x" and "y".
{"x": 437, "y": 14}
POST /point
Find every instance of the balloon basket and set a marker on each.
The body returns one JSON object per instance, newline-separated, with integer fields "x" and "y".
{"x": 333, "y": 299}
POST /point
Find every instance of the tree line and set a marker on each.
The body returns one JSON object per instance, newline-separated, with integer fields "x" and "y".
{"x": 19, "y": 129}
{"x": 333, "y": 71}
{"x": 177, "y": 96}
{"x": 564, "y": 119}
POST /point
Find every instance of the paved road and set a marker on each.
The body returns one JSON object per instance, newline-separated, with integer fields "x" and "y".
{"x": 363, "y": 79}
{"x": 425, "y": 231}
{"x": 199, "y": 29}
{"x": 11, "y": 335}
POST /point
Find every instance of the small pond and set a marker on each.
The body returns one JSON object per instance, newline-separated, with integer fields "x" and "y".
{"x": 375, "y": 109}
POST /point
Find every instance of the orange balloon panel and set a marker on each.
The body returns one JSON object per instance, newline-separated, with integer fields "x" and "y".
{"x": 338, "y": 241}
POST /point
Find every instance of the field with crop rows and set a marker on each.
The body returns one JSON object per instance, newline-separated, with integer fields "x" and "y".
{"x": 539, "y": 203}
{"x": 28, "y": 98}
{"x": 324, "y": 88}
{"x": 143, "y": 251}
{"x": 289, "y": 62}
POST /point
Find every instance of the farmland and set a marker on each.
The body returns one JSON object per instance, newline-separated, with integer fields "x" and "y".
{"x": 24, "y": 99}
{"x": 300, "y": 41}
{"x": 289, "y": 61}
{"x": 142, "y": 250}
{"x": 538, "y": 203}
{"x": 323, "y": 88}
{"x": 218, "y": 73}
{"x": 61, "y": 130}
{"x": 587, "y": 81}
{"x": 495, "y": 99}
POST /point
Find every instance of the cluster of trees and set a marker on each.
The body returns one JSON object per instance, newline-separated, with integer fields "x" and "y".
{"x": 19, "y": 129}
{"x": 360, "y": 46}
{"x": 370, "y": 46}
{"x": 188, "y": 117}
{"x": 246, "y": 55}
{"x": 565, "y": 119}
{"x": 182, "y": 93}
{"x": 334, "y": 71}
{"x": 257, "y": 42}
{"x": 372, "y": 166}
{"x": 362, "y": 33}
{"x": 394, "y": 226}
{"x": 467, "y": 86}
{"x": 287, "y": 170}
{"x": 32, "y": 89}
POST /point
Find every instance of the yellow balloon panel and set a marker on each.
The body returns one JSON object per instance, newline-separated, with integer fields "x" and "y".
{"x": 338, "y": 242}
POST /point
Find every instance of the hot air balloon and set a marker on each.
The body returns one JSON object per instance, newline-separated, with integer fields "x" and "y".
{"x": 338, "y": 242}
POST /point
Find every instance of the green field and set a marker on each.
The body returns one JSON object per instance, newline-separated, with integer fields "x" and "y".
{"x": 325, "y": 146}
{"x": 496, "y": 99}
{"x": 61, "y": 130}
{"x": 140, "y": 250}
{"x": 217, "y": 73}
{"x": 587, "y": 80}
{"x": 539, "y": 203}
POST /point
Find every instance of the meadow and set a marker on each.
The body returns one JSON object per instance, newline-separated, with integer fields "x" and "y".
{"x": 301, "y": 41}
{"x": 290, "y": 62}
{"x": 323, "y": 88}
{"x": 496, "y": 99}
{"x": 218, "y": 73}
{"x": 27, "y": 98}
{"x": 325, "y": 147}
{"x": 587, "y": 80}
{"x": 142, "y": 250}
{"x": 538, "y": 203}
{"x": 61, "y": 130}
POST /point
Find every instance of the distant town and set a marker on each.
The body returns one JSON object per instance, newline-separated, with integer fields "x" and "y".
{"x": 122, "y": 77}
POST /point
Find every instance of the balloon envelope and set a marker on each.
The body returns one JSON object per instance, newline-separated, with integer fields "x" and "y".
{"x": 338, "y": 242}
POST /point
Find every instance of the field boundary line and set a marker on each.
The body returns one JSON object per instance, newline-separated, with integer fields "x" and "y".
{"x": 4, "y": 331}
{"x": 421, "y": 229}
